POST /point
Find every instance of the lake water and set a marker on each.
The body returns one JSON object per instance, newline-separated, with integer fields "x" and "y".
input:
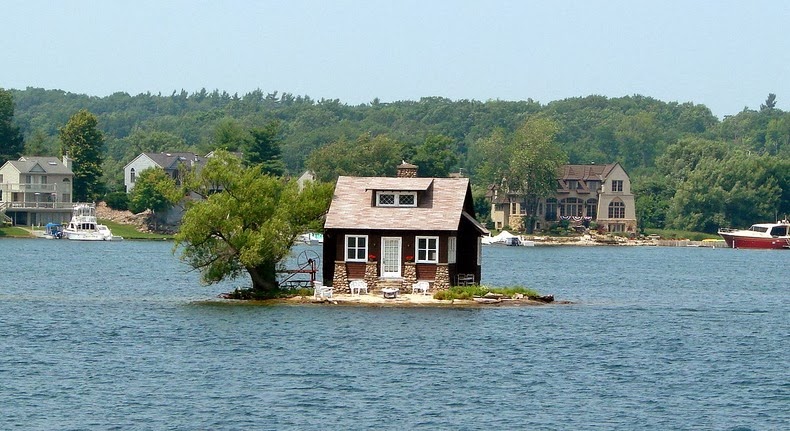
{"x": 103, "y": 336}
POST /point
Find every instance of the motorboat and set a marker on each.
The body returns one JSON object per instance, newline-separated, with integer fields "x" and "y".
{"x": 53, "y": 231}
{"x": 84, "y": 226}
{"x": 760, "y": 235}
{"x": 507, "y": 238}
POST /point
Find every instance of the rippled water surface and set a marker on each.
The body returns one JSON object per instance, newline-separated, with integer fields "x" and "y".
{"x": 98, "y": 336}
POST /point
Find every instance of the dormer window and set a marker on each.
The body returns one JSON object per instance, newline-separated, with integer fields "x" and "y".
{"x": 396, "y": 199}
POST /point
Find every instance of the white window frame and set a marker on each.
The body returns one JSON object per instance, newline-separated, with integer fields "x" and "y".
{"x": 356, "y": 247}
{"x": 427, "y": 249}
{"x": 452, "y": 247}
{"x": 397, "y": 196}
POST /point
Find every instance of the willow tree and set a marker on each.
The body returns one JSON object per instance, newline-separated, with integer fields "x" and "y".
{"x": 249, "y": 223}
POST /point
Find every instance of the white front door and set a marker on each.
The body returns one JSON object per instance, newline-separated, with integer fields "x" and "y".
{"x": 390, "y": 257}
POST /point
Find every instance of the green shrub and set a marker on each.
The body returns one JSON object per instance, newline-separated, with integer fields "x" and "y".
{"x": 469, "y": 292}
{"x": 117, "y": 200}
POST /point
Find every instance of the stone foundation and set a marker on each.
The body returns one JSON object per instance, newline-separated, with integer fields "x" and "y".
{"x": 409, "y": 276}
{"x": 442, "y": 280}
{"x": 372, "y": 275}
{"x": 340, "y": 279}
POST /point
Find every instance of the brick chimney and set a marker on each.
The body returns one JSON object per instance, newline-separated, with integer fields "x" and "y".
{"x": 407, "y": 170}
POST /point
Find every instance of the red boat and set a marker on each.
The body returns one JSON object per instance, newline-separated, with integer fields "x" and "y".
{"x": 761, "y": 235}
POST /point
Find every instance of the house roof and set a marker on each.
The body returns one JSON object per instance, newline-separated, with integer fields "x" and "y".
{"x": 440, "y": 206}
{"x": 171, "y": 160}
{"x": 585, "y": 172}
{"x": 49, "y": 165}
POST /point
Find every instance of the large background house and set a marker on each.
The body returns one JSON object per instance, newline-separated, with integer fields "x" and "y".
{"x": 395, "y": 231}
{"x": 171, "y": 163}
{"x": 599, "y": 193}
{"x": 36, "y": 190}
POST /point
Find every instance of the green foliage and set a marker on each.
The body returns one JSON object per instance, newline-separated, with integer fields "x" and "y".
{"x": 436, "y": 157}
{"x": 118, "y": 201}
{"x": 264, "y": 149}
{"x": 680, "y": 234}
{"x": 367, "y": 156}
{"x": 82, "y": 141}
{"x": 11, "y": 142}
{"x": 130, "y": 232}
{"x": 250, "y": 224}
{"x": 469, "y": 292}
{"x": 154, "y": 190}
{"x": 660, "y": 144}
{"x": 525, "y": 163}
{"x": 13, "y": 232}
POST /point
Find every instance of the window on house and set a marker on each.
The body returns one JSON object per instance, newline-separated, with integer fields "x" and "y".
{"x": 551, "y": 209}
{"x": 407, "y": 199}
{"x": 617, "y": 227}
{"x": 396, "y": 199}
{"x": 616, "y": 209}
{"x": 427, "y": 249}
{"x": 592, "y": 208}
{"x": 356, "y": 248}
{"x": 572, "y": 184}
{"x": 131, "y": 175}
{"x": 571, "y": 207}
{"x": 452, "y": 243}
{"x": 617, "y": 185}
{"x": 43, "y": 179}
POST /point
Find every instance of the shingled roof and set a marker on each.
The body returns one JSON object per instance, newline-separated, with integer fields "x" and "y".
{"x": 171, "y": 160}
{"x": 440, "y": 204}
{"x": 585, "y": 172}
{"x": 49, "y": 165}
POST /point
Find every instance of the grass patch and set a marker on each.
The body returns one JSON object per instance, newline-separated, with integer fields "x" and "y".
{"x": 681, "y": 234}
{"x": 14, "y": 232}
{"x": 130, "y": 231}
{"x": 469, "y": 292}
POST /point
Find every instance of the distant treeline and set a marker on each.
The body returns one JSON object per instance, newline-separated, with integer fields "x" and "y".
{"x": 690, "y": 170}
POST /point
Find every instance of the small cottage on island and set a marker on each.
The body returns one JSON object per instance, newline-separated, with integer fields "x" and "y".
{"x": 393, "y": 232}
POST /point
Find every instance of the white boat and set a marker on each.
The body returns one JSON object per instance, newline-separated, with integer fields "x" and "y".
{"x": 507, "y": 238}
{"x": 312, "y": 238}
{"x": 84, "y": 227}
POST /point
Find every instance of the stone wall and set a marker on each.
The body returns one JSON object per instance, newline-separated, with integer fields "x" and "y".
{"x": 442, "y": 280}
{"x": 340, "y": 279}
{"x": 409, "y": 276}
{"x": 372, "y": 275}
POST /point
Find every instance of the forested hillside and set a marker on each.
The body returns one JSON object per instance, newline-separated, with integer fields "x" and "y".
{"x": 690, "y": 170}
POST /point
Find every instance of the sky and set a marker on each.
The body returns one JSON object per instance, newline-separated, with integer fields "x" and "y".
{"x": 727, "y": 55}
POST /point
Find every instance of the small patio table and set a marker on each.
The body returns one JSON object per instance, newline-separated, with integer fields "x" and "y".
{"x": 390, "y": 293}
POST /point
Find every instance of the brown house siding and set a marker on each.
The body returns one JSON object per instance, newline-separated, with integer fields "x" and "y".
{"x": 466, "y": 253}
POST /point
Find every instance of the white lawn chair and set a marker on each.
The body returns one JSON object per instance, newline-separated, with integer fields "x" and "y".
{"x": 420, "y": 286}
{"x": 358, "y": 286}
{"x": 320, "y": 291}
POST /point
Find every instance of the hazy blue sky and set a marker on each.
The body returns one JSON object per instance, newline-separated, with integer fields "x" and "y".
{"x": 726, "y": 55}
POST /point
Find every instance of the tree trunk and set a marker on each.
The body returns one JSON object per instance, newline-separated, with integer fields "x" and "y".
{"x": 264, "y": 277}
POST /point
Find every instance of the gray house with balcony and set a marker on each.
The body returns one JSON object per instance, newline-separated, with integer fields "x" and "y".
{"x": 35, "y": 191}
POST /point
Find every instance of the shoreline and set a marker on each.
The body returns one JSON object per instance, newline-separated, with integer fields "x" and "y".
{"x": 407, "y": 300}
